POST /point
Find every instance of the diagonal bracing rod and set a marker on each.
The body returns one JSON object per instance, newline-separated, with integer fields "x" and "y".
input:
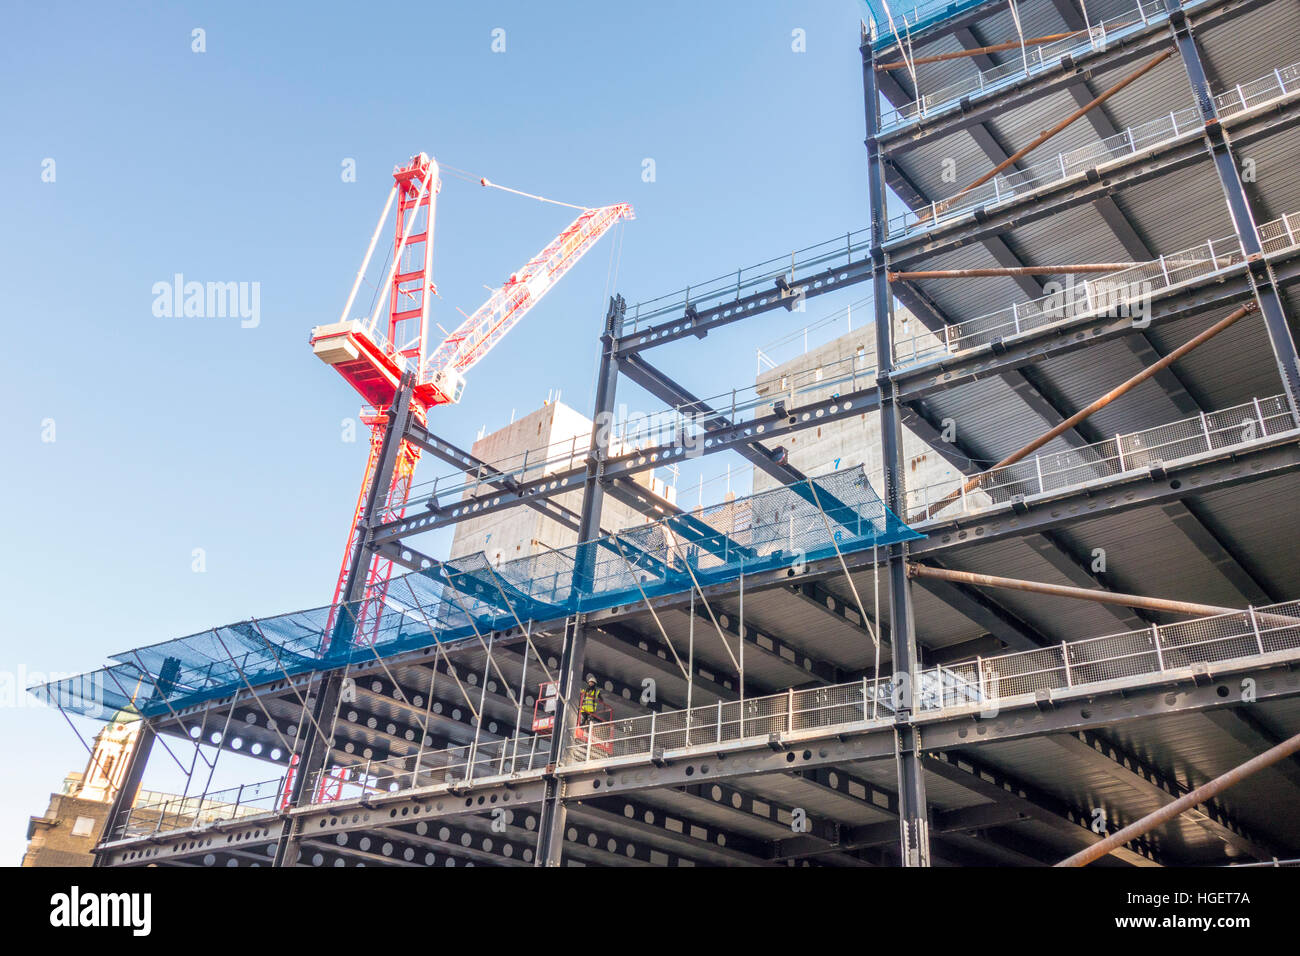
{"x": 983, "y": 50}
{"x": 1044, "y": 136}
{"x": 1061, "y": 590}
{"x": 1136, "y": 601}
{"x": 1122, "y": 389}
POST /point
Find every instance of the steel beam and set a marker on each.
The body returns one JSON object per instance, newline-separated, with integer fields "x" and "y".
{"x": 670, "y": 831}
{"x": 665, "y": 389}
{"x": 1195, "y": 689}
{"x": 943, "y": 824}
{"x": 817, "y": 595}
{"x": 419, "y": 435}
{"x": 802, "y": 666}
{"x": 648, "y": 651}
{"x": 1226, "y": 560}
{"x": 700, "y": 322}
{"x": 1103, "y": 754}
{"x": 776, "y": 815}
{"x": 1072, "y": 823}
{"x": 1250, "y": 731}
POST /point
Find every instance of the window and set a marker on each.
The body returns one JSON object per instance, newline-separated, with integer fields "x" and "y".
{"x": 84, "y": 826}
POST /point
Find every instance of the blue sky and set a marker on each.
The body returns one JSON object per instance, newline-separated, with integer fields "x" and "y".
{"x": 172, "y": 434}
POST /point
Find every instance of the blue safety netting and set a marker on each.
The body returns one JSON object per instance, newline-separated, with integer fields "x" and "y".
{"x": 912, "y": 15}
{"x": 453, "y": 600}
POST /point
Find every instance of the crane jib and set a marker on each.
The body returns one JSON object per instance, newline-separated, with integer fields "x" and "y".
{"x": 473, "y": 339}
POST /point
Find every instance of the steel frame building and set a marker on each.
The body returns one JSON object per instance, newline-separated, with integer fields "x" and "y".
{"x": 1183, "y": 488}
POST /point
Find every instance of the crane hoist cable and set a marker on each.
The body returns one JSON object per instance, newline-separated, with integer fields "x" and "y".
{"x": 484, "y": 181}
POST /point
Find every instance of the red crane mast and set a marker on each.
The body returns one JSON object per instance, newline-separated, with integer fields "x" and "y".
{"x": 372, "y": 356}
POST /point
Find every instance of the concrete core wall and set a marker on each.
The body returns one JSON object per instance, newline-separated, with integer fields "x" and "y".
{"x": 556, "y": 438}
{"x": 843, "y": 365}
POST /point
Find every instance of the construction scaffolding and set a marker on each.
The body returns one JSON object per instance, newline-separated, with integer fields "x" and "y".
{"x": 1083, "y": 254}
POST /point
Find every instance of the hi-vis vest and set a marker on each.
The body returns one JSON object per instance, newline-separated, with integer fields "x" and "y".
{"x": 587, "y": 700}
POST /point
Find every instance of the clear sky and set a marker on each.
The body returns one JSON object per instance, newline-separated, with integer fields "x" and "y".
{"x": 226, "y": 165}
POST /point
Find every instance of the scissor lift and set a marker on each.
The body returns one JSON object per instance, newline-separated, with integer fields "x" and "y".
{"x": 596, "y": 734}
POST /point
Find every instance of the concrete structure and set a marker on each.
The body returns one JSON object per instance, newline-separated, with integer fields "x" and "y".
{"x": 546, "y": 441}
{"x": 819, "y": 374}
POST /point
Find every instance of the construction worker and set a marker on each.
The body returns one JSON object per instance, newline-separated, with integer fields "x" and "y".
{"x": 587, "y": 701}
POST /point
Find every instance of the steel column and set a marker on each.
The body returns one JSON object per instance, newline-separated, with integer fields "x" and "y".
{"x": 550, "y": 832}
{"x": 125, "y": 796}
{"x": 914, "y": 846}
{"x": 1243, "y": 220}
{"x": 313, "y": 752}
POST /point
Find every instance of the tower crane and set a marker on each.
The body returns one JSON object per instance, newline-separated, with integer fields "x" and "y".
{"x": 373, "y": 352}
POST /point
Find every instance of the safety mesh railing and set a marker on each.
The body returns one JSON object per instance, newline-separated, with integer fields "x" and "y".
{"x": 1039, "y": 173}
{"x": 908, "y": 18}
{"x": 1166, "y": 444}
{"x": 1122, "y": 292}
{"x": 688, "y": 425}
{"x": 459, "y": 764}
{"x": 161, "y": 813}
{"x": 981, "y": 682}
{"x": 833, "y": 253}
{"x": 1151, "y": 651}
{"x": 1035, "y": 60}
{"x": 1275, "y": 862}
{"x": 469, "y": 596}
{"x": 813, "y": 708}
{"x": 728, "y": 721}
